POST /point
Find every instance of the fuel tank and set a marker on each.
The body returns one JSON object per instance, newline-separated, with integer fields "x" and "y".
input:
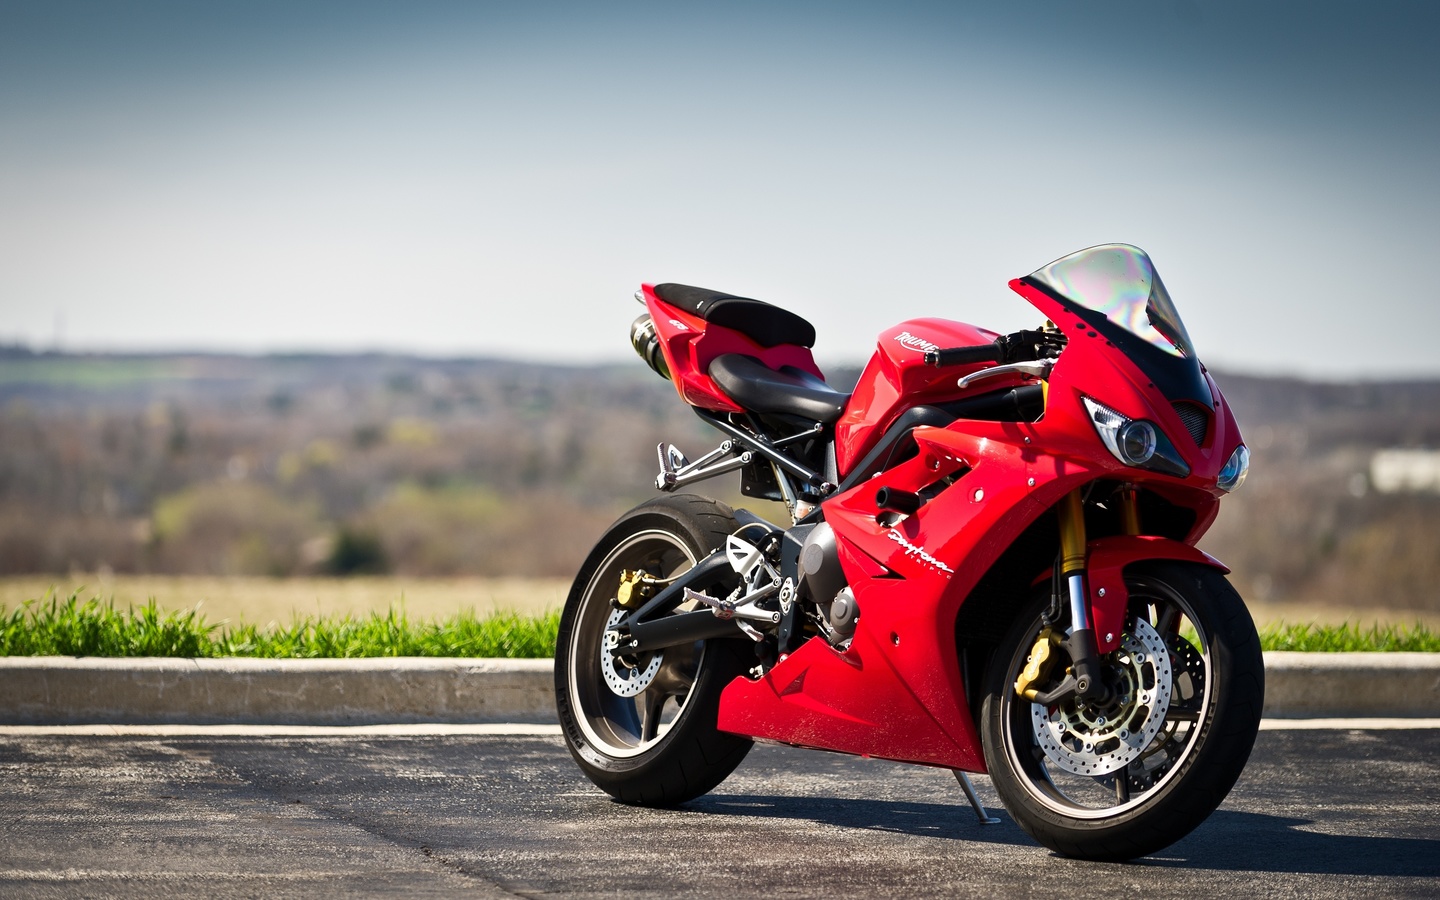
{"x": 896, "y": 378}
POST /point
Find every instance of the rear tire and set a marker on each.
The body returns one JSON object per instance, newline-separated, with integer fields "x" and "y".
{"x": 660, "y": 746}
{"x": 1124, "y": 782}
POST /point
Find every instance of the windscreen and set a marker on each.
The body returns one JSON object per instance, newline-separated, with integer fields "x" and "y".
{"x": 1116, "y": 290}
{"x": 1119, "y": 282}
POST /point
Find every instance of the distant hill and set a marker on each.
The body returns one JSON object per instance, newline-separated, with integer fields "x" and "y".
{"x": 1335, "y": 414}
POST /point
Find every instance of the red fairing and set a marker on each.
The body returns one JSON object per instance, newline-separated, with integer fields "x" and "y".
{"x": 690, "y": 344}
{"x": 865, "y": 701}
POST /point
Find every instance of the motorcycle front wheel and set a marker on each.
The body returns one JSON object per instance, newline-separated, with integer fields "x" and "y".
{"x": 643, "y": 729}
{"x": 1126, "y": 778}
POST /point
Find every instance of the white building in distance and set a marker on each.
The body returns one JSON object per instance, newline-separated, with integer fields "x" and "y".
{"x": 1393, "y": 471}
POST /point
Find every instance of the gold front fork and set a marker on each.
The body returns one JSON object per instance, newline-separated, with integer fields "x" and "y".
{"x": 1072, "y": 557}
{"x": 1072, "y": 534}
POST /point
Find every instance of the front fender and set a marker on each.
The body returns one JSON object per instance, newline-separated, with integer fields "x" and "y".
{"x": 1106, "y": 560}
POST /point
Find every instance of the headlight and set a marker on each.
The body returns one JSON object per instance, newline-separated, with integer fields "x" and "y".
{"x": 1135, "y": 442}
{"x": 1236, "y": 468}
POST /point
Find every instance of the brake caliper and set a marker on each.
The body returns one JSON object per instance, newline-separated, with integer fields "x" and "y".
{"x": 635, "y": 588}
{"x": 1037, "y": 665}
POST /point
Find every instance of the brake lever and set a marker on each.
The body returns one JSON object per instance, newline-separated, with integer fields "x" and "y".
{"x": 1039, "y": 368}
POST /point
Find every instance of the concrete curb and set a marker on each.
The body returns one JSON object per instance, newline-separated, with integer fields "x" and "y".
{"x": 1322, "y": 685}
{"x": 91, "y": 690}
{"x": 68, "y": 690}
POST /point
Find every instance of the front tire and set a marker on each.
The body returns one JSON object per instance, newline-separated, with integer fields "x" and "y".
{"x": 1125, "y": 781}
{"x": 647, "y": 735}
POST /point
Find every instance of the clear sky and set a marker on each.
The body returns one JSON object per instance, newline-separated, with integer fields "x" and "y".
{"x": 498, "y": 178}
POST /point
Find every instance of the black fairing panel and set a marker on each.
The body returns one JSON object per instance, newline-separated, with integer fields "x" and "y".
{"x": 1022, "y": 404}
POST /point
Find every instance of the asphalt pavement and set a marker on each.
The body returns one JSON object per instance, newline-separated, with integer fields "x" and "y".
{"x": 1319, "y": 812}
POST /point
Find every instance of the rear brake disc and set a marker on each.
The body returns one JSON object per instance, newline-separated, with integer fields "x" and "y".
{"x": 625, "y": 676}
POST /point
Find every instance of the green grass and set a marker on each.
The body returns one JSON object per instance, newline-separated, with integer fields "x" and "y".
{"x": 1348, "y": 637}
{"x": 71, "y": 627}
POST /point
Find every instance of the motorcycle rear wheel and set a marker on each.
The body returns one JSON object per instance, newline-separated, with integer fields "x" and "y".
{"x": 645, "y": 733}
{"x": 1131, "y": 779}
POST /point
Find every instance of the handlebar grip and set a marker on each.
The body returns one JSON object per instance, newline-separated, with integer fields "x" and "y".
{"x": 963, "y": 356}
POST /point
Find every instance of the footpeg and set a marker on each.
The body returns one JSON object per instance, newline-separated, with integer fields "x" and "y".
{"x": 745, "y": 607}
{"x": 676, "y": 470}
{"x": 672, "y": 463}
{"x": 723, "y": 609}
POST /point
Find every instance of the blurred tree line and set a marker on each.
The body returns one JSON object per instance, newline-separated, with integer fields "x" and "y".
{"x": 310, "y": 464}
{"x": 287, "y": 465}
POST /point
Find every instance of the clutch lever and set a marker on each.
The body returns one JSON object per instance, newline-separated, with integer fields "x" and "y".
{"x": 1039, "y": 368}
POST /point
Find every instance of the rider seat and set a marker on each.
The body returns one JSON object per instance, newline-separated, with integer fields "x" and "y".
{"x": 790, "y": 391}
{"x": 766, "y": 325}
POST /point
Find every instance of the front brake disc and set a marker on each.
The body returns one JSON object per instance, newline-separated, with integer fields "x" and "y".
{"x": 1098, "y": 741}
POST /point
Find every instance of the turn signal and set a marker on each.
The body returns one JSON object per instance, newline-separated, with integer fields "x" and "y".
{"x": 1236, "y": 468}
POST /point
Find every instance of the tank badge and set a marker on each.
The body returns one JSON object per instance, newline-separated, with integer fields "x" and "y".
{"x": 911, "y": 342}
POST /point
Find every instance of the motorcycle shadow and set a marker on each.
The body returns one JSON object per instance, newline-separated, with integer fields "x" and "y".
{"x": 954, "y": 821}
{"x": 1228, "y": 841}
{"x": 1234, "y": 841}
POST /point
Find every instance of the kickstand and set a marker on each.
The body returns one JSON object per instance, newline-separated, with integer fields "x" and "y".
{"x": 984, "y": 817}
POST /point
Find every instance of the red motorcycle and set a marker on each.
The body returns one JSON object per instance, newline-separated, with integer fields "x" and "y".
{"x": 991, "y": 564}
